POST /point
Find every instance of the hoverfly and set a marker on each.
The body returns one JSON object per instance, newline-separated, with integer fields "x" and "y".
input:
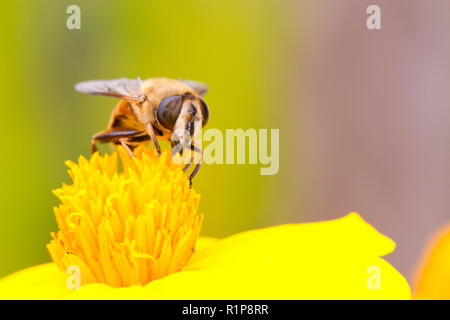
{"x": 153, "y": 108}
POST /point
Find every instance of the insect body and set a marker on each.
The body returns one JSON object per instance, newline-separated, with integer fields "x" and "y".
{"x": 150, "y": 109}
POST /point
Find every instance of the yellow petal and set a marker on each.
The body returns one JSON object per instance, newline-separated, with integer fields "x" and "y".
{"x": 345, "y": 237}
{"x": 44, "y": 281}
{"x": 433, "y": 279}
{"x": 337, "y": 259}
{"x": 205, "y": 242}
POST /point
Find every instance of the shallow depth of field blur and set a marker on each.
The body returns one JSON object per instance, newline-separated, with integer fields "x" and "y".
{"x": 363, "y": 115}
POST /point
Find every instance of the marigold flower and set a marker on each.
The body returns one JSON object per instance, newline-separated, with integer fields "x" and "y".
{"x": 433, "y": 275}
{"x": 132, "y": 235}
{"x": 128, "y": 228}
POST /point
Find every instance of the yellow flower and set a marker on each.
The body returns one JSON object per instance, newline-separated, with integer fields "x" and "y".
{"x": 433, "y": 277}
{"x": 128, "y": 228}
{"x": 132, "y": 235}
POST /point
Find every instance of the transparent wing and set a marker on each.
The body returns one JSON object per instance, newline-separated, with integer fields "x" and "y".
{"x": 122, "y": 88}
{"x": 197, "y": 86}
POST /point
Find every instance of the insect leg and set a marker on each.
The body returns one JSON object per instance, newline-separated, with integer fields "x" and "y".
{"x": 188, "y": 165}
{"x": 197, "y": 167}
{"x": 123, "y": 142}
{"x": 152, "y": 135}
{"x": 93, "y": 146}
{"x": 110, "y": 136}
{"x": 176, "y": 149}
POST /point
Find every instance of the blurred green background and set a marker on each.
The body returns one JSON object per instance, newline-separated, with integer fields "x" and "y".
{"x": 234, "y": 46}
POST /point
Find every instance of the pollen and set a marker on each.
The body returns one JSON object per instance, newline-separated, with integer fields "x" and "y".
{"x": 129, "y": 226}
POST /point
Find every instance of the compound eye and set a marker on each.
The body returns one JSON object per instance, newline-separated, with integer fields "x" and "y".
{"x": 168, "y": 111}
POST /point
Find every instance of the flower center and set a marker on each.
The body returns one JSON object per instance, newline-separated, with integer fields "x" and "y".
{"x": 129, "y": 227}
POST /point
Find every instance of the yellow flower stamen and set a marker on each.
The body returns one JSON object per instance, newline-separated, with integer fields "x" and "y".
{"x": 128, "y": 227}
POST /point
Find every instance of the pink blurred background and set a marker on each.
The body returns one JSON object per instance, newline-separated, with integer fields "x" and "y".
{"x": 375, "y": 118}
